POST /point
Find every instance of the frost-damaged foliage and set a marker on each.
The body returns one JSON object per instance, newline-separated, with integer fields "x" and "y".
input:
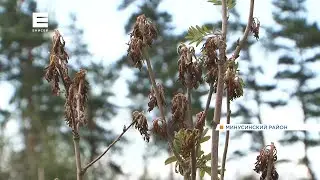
{"x": 76, "y": 101}
{"x": 76, "y": 98}
{"x": 178, "y": 130}
{"x": 142, "y": 36}
{"x": 152, "y": 97}
{"x": 140, "y": 122}
{"x": 58, "y": 64}
{"x": 76, "y": 89}
{"x": 184, "y": 137}
{"x": 190, "y": 72}
{"x": 266, "y": 163}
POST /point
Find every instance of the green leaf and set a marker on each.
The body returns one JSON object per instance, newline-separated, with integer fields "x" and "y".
{"x": 207, "y": 169}
{"x": 200, "y": 152}
{"x": 170, "y": 160}
{"x": 204, "y": 132}
{"x": 237, "y": 65}
{"x": 176, "y": 145}
{"x": 204, "y": 139}
{"x": 215, "y": 2}
{"x": 207, "y": 157}
{"x": 231, "y": 4}
{"x": 198, "y": 43}
{"x": 202, "y": 172}
{"x": 242, "y": 83}
{"x": 196, "y": 34}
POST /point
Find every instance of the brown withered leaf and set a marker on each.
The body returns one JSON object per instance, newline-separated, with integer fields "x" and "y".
{"x": 190, "y": 72}
{"x": 159, "y": 127}
{"x": 52, "y": 76}
{"x": 75, "y": 107}
{"x": 261, "y": 165}
{"x": 82, "y": 84}
{"x": 153, "y": 99}
{"x": 58, "y": 64}
{"x": 179, "y": 107}
{"x": 58, "y": 47}
{"x": 143, "y": 34}
{"x": 141, "y": 123}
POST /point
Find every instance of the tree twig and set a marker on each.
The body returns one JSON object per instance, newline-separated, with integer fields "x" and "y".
{"x": 189, "y": 110}
{"x": 154, "y": 86}
{"x": 76, "y": 140}
{"x": 193, "y": 151}
{"x": 226, "y": 144}
{"x": 204, "y": 115}
{"x": 246, "y": 32}
{"x": 208, "y": 102}
{"x": 160, "y": 106}
{"x": 76, "y": 136}
{"x": 270, "y": 162}
{"x": 216, "y": 121}
{"x": 108, "y": 148}
{"x": 217, "y": 110}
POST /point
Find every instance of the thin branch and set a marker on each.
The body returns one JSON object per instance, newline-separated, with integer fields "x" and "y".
{"x": 160, "y": 106}
{"x": 216, "y": 121}
{"x": 208, "y": 102}
{"x": 154, "y": 86}
{"x": 189, "y": 110}
{"x": 224, "y": 20}
{"x": 108, "y": 148}
{"x": 226, "y": 144}
{"x": 193, "y": 151}
{"x": 76, "y": 137}
{"x": 204, "y": 115}
{"x": 270, "y": 162}
{"x": 246, "y": 32}
{"x": 76, "y": 140}
{"x": 217, "y": 110}
{"x": 263, "y": 139}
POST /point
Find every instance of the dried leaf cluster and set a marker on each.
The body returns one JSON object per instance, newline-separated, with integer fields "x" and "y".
{"x": 141, "y": 123}
{"x": 210, "y": 55}
{"x": 234, "y": 83}
{"x": 143, "y": 35}
{"x": 190, "y": 71}
{"x": 263, "y": 159}
{"x": 255, "y": 27}
{"x": 152, "y": 97}
{"x": 185, "y": 143}
{"x": 159, "y": 127}
{"x": 76, "y": 90}
{"x": 179, "y": 107}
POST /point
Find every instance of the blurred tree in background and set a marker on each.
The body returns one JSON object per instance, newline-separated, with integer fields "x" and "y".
{"x": 46, "y": 150}
{"x": 298, "y": 41}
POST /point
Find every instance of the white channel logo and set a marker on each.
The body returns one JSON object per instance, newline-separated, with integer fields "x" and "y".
{"x": 40, "y": 20}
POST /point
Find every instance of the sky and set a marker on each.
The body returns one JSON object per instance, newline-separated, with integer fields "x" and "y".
{"x": 103, "y": 27}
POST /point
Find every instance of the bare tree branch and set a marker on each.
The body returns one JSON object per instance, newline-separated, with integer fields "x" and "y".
{"x": 108, "y": 148}
{"x": 246, "y": 32}
{"x": 217, "y": 110}
{"x": 226, "y": 144}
